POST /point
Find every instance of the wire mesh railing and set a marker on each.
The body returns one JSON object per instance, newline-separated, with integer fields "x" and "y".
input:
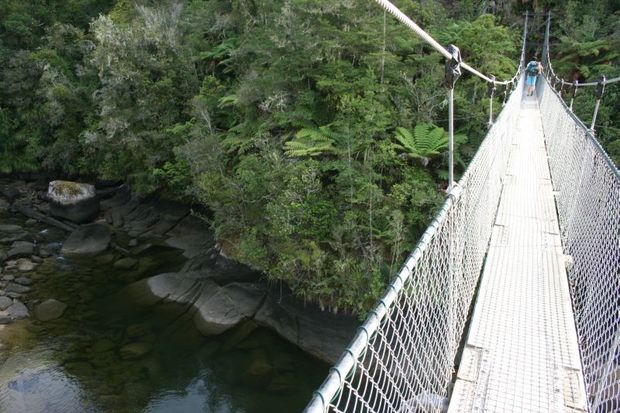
{"x": 402, "y": 358}
{"x": 588, "y": 201}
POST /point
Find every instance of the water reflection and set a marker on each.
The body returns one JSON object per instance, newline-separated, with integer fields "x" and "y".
{"x": 29, "y": 383}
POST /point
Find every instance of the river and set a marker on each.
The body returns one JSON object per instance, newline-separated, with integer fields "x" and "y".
{"x": 106, "y": 354}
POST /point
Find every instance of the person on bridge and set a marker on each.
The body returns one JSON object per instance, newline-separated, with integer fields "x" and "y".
{"x": 533, "y": 69}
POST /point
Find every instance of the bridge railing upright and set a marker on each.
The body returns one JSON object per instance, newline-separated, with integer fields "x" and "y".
{"x": 403, "y": 356}
{"x": 587, "y": 184}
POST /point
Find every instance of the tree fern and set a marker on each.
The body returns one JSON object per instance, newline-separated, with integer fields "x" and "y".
{"x": 310, "y": 142}
{"x": 426, "y": 141}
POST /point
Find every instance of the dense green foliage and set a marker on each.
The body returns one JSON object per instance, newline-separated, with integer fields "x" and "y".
{"x": 585, "y": 46}
{"x": 311, "y": 129}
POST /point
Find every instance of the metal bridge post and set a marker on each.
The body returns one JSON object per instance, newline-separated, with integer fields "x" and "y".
{"x": 491, "y": 93}
{"x": 600, "y": 89}
{"x": 453, "y": 72}
{"x": 572, "y": 99}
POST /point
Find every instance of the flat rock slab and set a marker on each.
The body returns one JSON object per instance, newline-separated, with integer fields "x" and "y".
{"x": 218, "y": 308}
{"x": 227, "y": 307}
{"x": 306, "y": 326}
{"x": 191, "y": 235}
{"x": 87, "y": 240}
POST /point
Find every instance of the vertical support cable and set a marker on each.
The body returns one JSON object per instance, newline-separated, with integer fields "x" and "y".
{"x": 491, "y": 92}
{"x": 451, "y": 142}
{"x": 522, "y": 59}
{"x": 453, "y": 72}
{"x": 600, "y": 89}
{"x": 572, "y": 98}
{"x": 546, "y": 43}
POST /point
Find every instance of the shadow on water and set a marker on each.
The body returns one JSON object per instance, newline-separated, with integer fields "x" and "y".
{"x": 106, "y": 354}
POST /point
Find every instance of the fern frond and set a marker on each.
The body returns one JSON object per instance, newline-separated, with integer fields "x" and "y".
{"x": 407, "y": 142}
{"x": 310, "y": 142}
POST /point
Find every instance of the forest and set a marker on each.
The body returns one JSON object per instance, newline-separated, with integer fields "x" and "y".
{"x": 312, "y": 131}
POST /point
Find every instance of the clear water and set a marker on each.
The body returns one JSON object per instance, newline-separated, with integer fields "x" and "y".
{"x": 75, "y": 364}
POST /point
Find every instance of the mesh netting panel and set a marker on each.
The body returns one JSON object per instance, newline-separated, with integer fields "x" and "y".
{"x": 588, "y": 202}
{"x": 402, "y": 359}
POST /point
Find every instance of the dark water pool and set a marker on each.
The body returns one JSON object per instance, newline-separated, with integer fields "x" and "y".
{"x": 108, "y": 355}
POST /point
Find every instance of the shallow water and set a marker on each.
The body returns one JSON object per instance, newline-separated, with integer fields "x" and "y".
{"x": 75, "y": 363}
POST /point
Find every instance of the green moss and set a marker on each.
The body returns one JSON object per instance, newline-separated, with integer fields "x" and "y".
{"x": 68, "y": 188}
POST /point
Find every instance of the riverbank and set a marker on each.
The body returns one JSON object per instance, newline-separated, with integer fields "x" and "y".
{"x": 216, "y": 292}
{"x": 108, "y": 350}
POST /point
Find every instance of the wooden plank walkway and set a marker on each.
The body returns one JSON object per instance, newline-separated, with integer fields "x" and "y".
{"x": 522, "y": 353}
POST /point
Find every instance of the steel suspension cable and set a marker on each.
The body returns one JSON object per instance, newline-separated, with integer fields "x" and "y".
{"x": 403, "y": 18}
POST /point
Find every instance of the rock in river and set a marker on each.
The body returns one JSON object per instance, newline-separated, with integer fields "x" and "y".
{"x": 23, "y": 280}
{"x": 89, "y": 239}
{"x": 20, "y": 249}
{"x": 126, "y": 263}
{"x": 12, "y": 287}
{"x": 17, "y": 310}
{"x": 5, "y": 302}
{"x": 135, "y": 350}
{"x": 49, "y": 310}
{"x": 10, "y": 193}
{"x": 25, "y": 265}
{"x": 76, "y": 202}
{"x": 219, "y": 308}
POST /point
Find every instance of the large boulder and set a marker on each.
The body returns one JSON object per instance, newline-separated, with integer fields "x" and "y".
{"x": 217, "y": 308}
{"x": 87, "y": 240}
{"x": 76, "y": 202}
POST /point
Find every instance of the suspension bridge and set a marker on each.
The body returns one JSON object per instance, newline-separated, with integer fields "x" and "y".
{"x": 510, "y": 302}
